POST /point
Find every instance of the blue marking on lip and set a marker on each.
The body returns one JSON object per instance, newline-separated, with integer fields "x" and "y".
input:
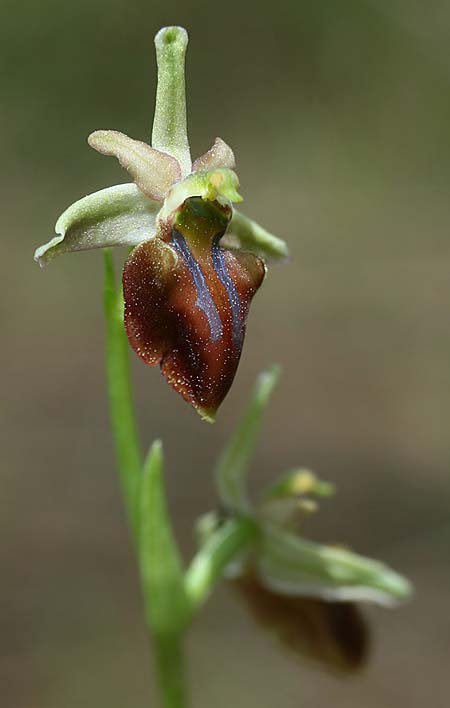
{"x": 233, "y": 295}
{"x": 204, "y": 300}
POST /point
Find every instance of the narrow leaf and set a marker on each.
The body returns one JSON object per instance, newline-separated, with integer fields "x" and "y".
{"x": 231, "y": 470}
{"x": 161, "y": 567}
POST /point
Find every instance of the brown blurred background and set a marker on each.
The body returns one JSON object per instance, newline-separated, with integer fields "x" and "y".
{"x": 339, "y": 114}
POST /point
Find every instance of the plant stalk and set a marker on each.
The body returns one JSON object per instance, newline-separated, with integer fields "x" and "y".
{"x": 121, "y": 407}
{"x": 170, "y": 669}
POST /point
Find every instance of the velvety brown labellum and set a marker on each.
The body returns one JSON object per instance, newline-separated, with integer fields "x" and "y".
{"x": 333, "y": 633}
{"x": 187, "y": 300}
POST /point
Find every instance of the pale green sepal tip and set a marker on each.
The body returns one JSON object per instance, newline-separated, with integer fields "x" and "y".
{"x": 250, "y": 236}
{"x": 115, "y": 216}
{"x": 172, "y": 37}
{"x": 206, "y": 414}
{"x": 265, "y": 385}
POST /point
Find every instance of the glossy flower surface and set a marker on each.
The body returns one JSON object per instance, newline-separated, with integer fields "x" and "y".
{"x": 186, "y": 302}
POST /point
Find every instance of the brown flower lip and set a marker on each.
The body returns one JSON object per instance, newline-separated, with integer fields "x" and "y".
{"x": 333, "y": 634}
{"x": 187, "y": 301}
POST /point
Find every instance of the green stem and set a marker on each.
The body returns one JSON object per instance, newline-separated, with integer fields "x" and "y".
{"x": 121, "y": 406}
{"x": 170, "y": 669}
{"x": 170, "y": 123}
{"x": 167, "y": 643}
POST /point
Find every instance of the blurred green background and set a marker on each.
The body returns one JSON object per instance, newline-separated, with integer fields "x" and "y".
{"x": 339, "y": 115}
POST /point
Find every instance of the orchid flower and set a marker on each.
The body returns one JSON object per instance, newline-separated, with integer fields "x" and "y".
{"x": 196, "y": 262}
{"x": 277, "y": 567}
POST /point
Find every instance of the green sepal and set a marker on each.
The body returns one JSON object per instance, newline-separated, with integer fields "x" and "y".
{"x": 221, "y": 546}
{"x": 232, "y": 467}
{"x": 248, "y": 235}
{"x": 169, "y": 124}
{"x": 291, "y": 565}
{"x": 160, "y": 562}
{"x": 115, "y": 216}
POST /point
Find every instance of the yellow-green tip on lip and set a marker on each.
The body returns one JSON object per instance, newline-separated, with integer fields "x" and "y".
{"x": 207, "y": 414}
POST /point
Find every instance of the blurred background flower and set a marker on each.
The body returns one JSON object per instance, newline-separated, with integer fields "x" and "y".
{"x": 340, "y": 112}
{"x": 332, "y": 633}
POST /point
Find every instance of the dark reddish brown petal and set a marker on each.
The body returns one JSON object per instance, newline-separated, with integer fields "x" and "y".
{"x": 186, "y": 306}
{"x": 332, "y": 633}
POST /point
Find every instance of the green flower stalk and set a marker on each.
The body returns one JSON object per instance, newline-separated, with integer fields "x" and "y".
{"x": 187, "y": 284}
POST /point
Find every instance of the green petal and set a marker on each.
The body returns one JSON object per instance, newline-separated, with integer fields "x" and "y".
{"x": 221, "y": 184}
{"x": 116, "y": 216}
{"x": 153, "y": 171}
{"x": 291, "y": 565}
{"x": 219, "y": 155}
{"x": 247, "y": 234}
{"x": 160, "y": 561}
